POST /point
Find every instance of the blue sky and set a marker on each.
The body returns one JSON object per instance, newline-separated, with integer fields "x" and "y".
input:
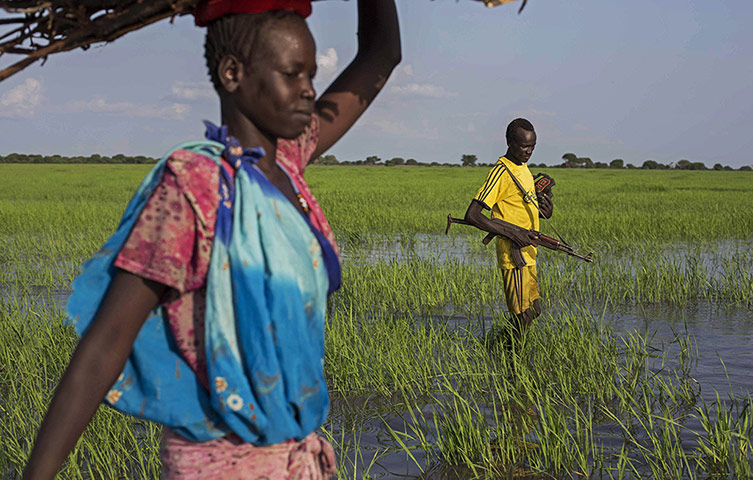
{"x": 646, "y": 79}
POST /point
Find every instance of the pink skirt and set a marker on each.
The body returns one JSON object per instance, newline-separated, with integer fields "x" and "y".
{"x": 229, "y": 458}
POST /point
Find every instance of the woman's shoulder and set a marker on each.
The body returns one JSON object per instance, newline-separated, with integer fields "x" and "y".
{"x": 197, "y": 177}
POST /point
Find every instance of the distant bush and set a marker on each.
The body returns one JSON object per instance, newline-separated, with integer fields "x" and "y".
{"x": 95, "y": 158}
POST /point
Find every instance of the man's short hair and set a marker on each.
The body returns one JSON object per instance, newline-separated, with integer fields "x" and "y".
{"x": 239, "y": 35}
{"x": 515, "y": 125}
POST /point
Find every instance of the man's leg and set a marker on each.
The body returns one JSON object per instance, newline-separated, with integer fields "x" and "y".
{"x": 522, "y": 294}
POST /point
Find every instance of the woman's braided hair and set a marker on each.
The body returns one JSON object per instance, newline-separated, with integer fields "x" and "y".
{"x": 239, "y": 35}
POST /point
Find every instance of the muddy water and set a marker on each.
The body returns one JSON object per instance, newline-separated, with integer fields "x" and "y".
{"x": 723, "y": 336}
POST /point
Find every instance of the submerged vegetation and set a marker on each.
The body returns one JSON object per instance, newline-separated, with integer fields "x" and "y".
{"x": 424, "y": 379}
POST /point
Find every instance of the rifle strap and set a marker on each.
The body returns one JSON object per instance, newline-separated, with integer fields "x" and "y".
{"x": 523, "y": 191}
{"x": 535, "y": 202}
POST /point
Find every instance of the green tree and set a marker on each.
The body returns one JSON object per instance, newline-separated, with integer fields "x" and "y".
{"x": 617, "y": 163}
{"x": 683, "y": 165}
{"x": 571, "y": 160}
{"x": 469, "y": 160}
{"x": 650, "y": 165}
{"x": 411, "y": 161}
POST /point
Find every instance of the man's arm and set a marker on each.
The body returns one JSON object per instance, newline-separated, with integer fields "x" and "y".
{"x": 94, "y": 367}
{"x": 378, "y": 54}
{"x": 520, "y": 236}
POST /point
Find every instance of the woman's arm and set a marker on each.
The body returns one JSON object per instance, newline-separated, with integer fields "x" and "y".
{"x": 378, "y": 54}
{"x": 94, "y": 367}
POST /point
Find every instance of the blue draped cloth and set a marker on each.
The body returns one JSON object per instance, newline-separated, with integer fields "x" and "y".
{"x": 269, "y": 276}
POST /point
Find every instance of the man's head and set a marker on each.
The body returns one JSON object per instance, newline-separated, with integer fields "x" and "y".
{"x": 262, "y": 65}
{"x": 521, "y": 140}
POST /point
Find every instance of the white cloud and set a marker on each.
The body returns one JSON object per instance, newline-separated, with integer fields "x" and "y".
{"x": 402, "y": 84}
{"x": 425, "y": 90}
{"x": 22, "y": 101}
{"x": 402, "y": 73}
{"x": 99, "y": 104}
{"x": 397, "y": 128}
{"x": 326, "y": 68}
{"x": 191, "y": 91}
{"x": 327, "y": 62}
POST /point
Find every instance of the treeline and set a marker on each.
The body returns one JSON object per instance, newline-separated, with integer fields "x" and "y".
{"x": 373, "y": 160}
{"x": 570, "y": 161}
{"x": 95, "y": 158}
{"x": 573, "y": 161}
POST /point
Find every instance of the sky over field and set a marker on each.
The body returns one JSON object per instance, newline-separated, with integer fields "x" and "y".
{"x": 644, "y": 79}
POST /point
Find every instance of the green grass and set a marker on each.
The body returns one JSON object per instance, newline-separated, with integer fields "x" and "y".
{"x": 418, "y": 329}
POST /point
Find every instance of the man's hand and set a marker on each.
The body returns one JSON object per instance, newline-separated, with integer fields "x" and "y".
{"x": 520, "y": 236}
{"x": 546, "y": 207}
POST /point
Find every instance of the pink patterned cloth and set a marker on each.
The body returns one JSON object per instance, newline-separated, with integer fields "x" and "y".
{"x": 228, "y": 458}
{"x": 294, "y": 156}
{"x": 171, "y": 243}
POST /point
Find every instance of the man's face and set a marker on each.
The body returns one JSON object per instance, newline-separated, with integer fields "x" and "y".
{"x": 520, "y": 149}
{"x": 277, "y": 93}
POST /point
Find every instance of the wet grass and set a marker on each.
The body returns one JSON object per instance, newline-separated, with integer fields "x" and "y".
{"x": 417, "y": 337}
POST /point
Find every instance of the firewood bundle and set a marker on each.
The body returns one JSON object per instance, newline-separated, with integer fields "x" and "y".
{"x": 36, "y": 29}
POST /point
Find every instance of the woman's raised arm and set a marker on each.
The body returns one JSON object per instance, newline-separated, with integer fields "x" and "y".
{"x": 378, "y": 54}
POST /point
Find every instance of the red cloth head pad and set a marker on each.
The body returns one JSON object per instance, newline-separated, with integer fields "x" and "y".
{"x": 208, "y": 10}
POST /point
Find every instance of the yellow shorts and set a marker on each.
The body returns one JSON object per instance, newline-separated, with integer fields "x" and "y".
{"x": 521, "y": 288}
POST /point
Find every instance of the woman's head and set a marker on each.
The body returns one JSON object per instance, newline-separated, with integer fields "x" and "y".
{"x": 243, "y": 36}
{"x": 263, "y": 65}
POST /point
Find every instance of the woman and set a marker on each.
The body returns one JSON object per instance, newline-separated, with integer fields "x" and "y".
{"x": 205, "y": 310}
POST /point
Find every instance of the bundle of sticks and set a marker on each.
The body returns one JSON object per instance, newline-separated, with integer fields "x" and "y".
{"x": 35, "y": 29}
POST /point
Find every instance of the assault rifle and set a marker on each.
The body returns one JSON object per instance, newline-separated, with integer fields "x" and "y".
{"x": 541, "y": 240}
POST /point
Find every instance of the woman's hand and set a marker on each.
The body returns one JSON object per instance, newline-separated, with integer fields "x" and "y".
{"x": 378, "y": 54}
{"x": 94, "y": 367}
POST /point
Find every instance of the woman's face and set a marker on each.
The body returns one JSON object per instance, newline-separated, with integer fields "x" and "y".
{"x": 276, "y": 92}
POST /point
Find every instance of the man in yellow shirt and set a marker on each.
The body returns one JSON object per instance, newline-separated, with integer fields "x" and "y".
{"x": 510, "y": 194}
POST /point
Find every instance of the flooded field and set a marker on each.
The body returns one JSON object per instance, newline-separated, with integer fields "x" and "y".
{"x": 639, "y": 367}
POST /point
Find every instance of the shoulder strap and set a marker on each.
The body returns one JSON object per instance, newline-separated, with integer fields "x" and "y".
{"x": 520, "y": 187}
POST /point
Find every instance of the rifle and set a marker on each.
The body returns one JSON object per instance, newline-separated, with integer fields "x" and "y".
{"x": 517, "y": 257}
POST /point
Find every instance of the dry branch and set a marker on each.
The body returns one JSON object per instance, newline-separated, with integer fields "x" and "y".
{"x": 37, "y": 29}
{"x": 46, "y": 27}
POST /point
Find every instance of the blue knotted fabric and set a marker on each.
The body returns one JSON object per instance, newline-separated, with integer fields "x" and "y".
{"x": 267, "y": 288}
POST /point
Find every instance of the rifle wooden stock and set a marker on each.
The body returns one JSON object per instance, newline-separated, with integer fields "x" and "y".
{"x": 517, "y": 256}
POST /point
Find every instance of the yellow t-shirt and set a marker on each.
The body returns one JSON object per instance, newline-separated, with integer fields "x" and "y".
{"x": 500, "y": 194}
